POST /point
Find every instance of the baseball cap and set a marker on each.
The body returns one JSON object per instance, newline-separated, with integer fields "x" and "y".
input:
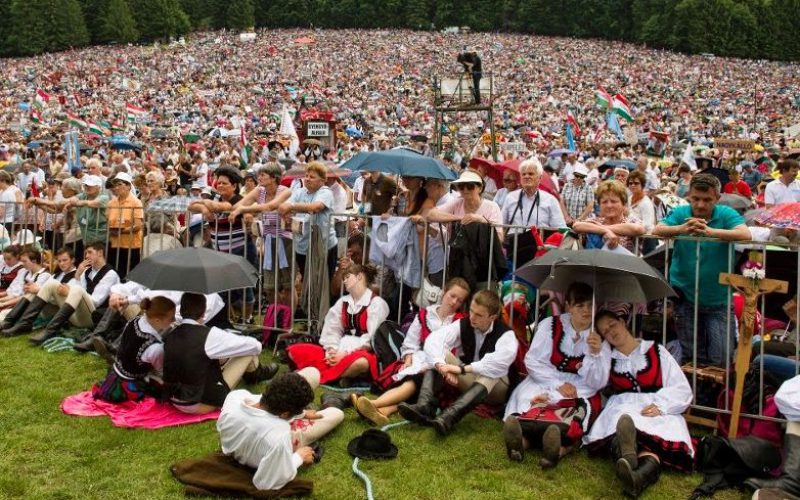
{"x": 92, "y": 180}
{"x": 124, "y": 177}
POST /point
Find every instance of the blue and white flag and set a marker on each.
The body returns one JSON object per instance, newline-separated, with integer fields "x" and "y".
{"x": 613, "y": 125}
{"x": 570, "y": 138}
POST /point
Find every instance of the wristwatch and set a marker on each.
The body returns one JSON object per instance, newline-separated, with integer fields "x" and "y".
{"x": 463, "y": 369}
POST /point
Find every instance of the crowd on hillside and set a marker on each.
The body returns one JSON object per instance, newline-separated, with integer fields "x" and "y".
{"x": 348, "y": 252}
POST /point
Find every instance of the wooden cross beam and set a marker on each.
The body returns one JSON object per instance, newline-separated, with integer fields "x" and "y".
{"x": 751, "y": 289}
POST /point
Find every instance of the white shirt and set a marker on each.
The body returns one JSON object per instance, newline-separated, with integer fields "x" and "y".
{"x": 645, "y": 212}
{"x": 333, "y": 335}
{"x": 546, "y": 214}
{"x": 155, "y": 353}
{"x": 202, "y": 173}
{"x": 102, "y": 290}
{"x": 493, "y": 365}
{"x": 358, "y": 186}
{"x": 221, "y": 344}
{"x": 777, "y": 192}
{"x": 135, "y": 293}
{"x": 25, "y": 276}
{"x": 258, "y": 439}
{"x": 412, "y": 343}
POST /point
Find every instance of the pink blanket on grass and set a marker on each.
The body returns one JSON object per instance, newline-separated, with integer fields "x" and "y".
{"x": 145, "y": 414}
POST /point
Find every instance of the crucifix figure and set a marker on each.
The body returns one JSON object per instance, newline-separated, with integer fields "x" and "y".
{"x": 750, "y": 289}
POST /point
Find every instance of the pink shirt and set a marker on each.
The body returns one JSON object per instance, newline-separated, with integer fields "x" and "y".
{"x": 488, "y": 209}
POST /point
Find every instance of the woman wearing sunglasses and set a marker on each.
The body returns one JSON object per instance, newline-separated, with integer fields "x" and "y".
{"x": 469, "y": 207}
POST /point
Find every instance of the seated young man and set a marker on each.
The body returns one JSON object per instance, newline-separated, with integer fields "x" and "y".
{"x": 76, "y": 300}
{"x": 202, "y": 364}
{"x": 25, "y": 285}
{"x": 272, "y": 433}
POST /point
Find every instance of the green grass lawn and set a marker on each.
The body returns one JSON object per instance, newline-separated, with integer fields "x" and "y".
{"x": 46, "y": 454}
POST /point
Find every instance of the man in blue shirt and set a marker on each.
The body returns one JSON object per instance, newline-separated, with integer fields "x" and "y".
{"x": 703, "y": 218}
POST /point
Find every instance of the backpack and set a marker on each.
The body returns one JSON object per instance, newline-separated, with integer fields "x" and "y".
{"x": 277, "y": 316}
{"x": 765, "y": 429}
{"x": 727, "y": 463}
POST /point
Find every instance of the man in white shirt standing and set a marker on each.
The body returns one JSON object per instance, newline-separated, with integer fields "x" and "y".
{"x": 273, "y": 433}
{"x": 481, "y": 369}
{"x": 786, "y": 188}
{"x": 529, "y": 205}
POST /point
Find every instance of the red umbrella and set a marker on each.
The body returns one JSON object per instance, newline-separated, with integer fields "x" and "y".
{"x": 492, "y": 169}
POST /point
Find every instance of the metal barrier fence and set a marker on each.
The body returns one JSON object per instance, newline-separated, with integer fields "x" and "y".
{"x": 133, "y": 233}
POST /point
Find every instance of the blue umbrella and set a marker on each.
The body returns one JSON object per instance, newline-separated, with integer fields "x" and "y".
{"x": 400, "y": 161}
{"x": 558, "y": 152}
{"x": 353, "y": 132}
{"x": 34, "y": 145}
{"x": 125, "y": 144}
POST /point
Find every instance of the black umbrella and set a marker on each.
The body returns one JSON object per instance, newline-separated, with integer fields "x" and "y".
{"x": 196, "y": 270}
{"x": 613, "y": 276}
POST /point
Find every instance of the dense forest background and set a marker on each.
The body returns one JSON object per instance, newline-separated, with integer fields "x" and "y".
{"x": 741, "y": 28}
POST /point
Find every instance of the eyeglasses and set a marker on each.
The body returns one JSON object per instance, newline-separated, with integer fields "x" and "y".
{"x": 468, "y": 187}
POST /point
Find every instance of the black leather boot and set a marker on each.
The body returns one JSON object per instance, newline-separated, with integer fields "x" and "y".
{"x": 424, "y": 410}
{"x": 451, "y": 416}
{"x": 626, "y": 440}
{"x": 551, "y": 447}
{"x": 789, "y": 481}
{"x": 331, "y": 399}
{"x": 635, "y": 481}
{"x": 514, "y": 439}
{"x": 25, "y": 322}
{"x": 54, "y": 327}
{"x": 15, "y": 313}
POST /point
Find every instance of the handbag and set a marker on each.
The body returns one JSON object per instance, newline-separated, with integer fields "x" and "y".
{"x": 428, "y": 294}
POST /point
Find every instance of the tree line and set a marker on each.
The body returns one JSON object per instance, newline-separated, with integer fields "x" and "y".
{"x": 740, "y": 28}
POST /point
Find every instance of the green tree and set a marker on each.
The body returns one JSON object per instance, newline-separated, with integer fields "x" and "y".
{"x": 160, "y": 19}
{"x": 45, "y": 25}
{"x": 241, "y": 15}
{"x": 117, "y": 23}
{"x": 418, "y": 14}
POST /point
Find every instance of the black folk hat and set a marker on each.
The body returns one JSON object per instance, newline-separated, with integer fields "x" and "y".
{"x": 372, "y": 443}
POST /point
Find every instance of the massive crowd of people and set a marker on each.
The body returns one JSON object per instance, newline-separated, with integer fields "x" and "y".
{"x": 349, "y": 253}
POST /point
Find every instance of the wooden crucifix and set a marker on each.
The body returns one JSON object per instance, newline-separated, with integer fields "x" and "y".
{"x": 750, "y": 289}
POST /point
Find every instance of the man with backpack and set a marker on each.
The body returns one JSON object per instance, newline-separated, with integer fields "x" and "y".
{"x": 481, "y": 369}
{"x": 788, "y": 401}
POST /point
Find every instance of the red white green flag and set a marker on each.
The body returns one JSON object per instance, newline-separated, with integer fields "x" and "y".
{"x": 41, "y": 99}
{"x": 133, "y": 112}
{"x": 602, "y": 98}
{"x": 76, "y": 121}
{"x": 622, "y": 108}
{"x": 36, "y": 117}
{"x": 96, "y": 128}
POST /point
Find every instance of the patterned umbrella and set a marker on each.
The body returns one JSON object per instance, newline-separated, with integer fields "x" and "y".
{"x": 178, "y": 204}
{"x": 785, "y": 215}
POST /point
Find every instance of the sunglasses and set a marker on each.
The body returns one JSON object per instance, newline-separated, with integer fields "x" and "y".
{"x": 468, "y": 187}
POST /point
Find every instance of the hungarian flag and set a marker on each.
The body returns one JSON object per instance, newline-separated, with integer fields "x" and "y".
{"x": 77, "y": 98}
{"x": 41, "y": 99}
{"x": 134, "y": 112}
{"x": 34, "y": 188}
{"x": 622, "y": 108}
{"x": 96, "y": 128}
{"x": 572, "y": 121}
{"x": 76, "y": 121}
{"x": 602, "y": 98}
{"x": 598, "y": 132}
{"x": 36, "y": 117}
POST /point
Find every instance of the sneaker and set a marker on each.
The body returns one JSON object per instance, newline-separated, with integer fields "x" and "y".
{"x": 260, "y": 374}
{"x": 368, "y": 410}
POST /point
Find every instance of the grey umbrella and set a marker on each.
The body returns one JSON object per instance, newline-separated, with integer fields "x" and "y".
{"x": 614, "y": 277}
{"x": 198, "y": 270}
{"x": 171, "y": 204}
{"x": 736, "y": 202}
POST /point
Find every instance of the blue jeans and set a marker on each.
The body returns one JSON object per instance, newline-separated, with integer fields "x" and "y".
{"x": 712, "y": 323}
{"x": 780, "y": 367}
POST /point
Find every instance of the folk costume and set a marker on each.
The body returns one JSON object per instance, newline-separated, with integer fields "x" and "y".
{"x": 348, "y": 327}
{"x": 559, "y": 355}
{"x": 649, "y": 375}
{"x": 137, "y": 367}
